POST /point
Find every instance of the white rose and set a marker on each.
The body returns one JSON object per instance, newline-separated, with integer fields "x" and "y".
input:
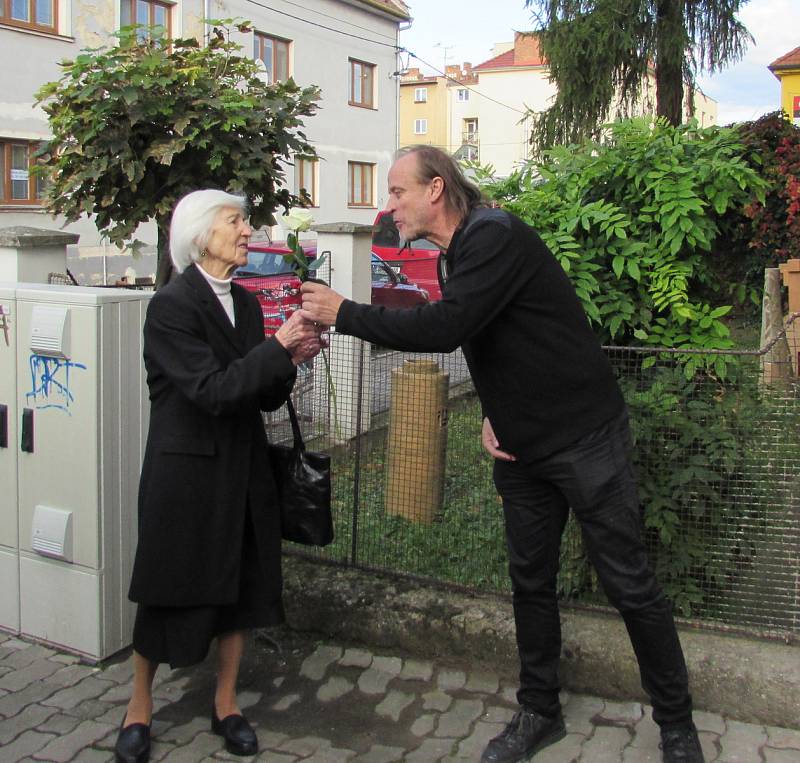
{"x": 298, "y": 219}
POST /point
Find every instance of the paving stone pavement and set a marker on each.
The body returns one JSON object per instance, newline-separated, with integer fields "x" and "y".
{"x": 317, "y": 701}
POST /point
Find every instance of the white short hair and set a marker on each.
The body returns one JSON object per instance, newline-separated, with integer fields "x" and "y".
{"x": 192, "y": 220}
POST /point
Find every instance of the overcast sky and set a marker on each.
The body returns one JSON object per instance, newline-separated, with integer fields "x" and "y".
{"x": 454, "y": 31}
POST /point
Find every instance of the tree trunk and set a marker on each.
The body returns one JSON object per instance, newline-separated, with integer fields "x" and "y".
{"x": 671, "y": 44}
{"x": 164, "y": 269}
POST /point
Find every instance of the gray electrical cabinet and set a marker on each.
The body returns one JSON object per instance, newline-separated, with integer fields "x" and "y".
{"x": 72, "y": 385}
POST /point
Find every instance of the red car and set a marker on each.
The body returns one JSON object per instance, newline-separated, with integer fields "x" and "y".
{"x": 278, "y": 288}
{"x": 416, "y": 260}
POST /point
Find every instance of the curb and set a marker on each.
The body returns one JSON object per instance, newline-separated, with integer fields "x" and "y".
{"x": 750, "y": 680}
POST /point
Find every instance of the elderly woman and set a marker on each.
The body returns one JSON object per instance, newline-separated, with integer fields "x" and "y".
{"x": 208, "y": 560}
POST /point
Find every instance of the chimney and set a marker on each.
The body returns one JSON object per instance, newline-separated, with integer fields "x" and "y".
{"x": 526, "y": 48}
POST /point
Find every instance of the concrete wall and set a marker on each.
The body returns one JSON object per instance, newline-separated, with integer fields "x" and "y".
{"x": 746, "y": 679}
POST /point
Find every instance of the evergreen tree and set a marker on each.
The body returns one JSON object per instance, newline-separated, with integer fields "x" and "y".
{"x": 600, "y": 52}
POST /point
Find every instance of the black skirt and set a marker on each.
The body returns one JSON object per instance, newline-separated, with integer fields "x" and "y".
{"x": 181, "y": 636}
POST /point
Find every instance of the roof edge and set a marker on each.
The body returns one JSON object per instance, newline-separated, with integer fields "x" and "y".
{"x": 387, "y": 7}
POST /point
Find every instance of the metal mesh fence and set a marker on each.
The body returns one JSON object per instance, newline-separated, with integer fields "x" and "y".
{"x": 716, "y": 449}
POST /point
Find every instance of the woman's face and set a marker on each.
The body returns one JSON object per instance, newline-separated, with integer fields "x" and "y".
{"x": 227, "y": 243}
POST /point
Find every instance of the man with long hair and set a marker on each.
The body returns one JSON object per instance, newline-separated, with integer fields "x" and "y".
{"x": 554, "y": 421}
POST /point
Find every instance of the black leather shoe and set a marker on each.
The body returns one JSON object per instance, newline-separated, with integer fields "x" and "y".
{"x": 681, "y": 745}
{"x": 133, "y": 743}
{"x": 240, "y": 739}
{"x": 527, "y": 733}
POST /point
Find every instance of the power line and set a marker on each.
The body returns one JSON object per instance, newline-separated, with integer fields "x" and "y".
{"x": 396, "y": 48}
{"x": 328, "y": 16}
{"x": 461, "y": 84}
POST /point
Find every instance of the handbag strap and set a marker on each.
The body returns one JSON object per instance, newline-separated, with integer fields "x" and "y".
{"x": 298, "y": 435}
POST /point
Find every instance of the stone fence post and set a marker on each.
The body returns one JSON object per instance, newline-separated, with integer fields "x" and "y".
{"x": 790, "y": 271}
{"x": 347, "y": 407}
{"x": 776, "y": 365}
{"x": 29, "y": 255}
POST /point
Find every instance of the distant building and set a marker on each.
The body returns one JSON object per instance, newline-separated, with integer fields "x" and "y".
{"x": 487, "y": 115}
{"x": 355, "y": 131}
{"x": 431, "y": 108}
{"x": 787, "y": 70}
{"x": 423, "y": 110}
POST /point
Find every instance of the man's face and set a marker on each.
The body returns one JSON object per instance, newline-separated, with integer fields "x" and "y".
{"x": 410, "y": 201}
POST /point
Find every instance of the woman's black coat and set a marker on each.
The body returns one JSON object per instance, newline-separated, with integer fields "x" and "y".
{"x": 206, "y": 453}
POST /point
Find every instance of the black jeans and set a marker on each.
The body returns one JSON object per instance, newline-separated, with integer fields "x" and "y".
{"x": 594, "y": 477}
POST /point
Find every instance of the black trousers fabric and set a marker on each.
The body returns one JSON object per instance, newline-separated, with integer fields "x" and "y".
{"x": 594, "y": 477}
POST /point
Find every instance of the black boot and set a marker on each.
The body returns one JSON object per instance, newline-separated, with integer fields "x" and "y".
{"x": 681, "y": 745}
{"x": 527, "y": 733}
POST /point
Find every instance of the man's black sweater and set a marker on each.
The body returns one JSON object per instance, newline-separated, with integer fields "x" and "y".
{"x": 541, "y": 375}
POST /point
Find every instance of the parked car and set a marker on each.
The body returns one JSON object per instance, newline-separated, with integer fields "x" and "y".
{"x": 417, "y": 260}
{"x": 277, "y": 288}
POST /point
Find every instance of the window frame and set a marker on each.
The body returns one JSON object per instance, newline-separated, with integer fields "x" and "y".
{"x": 299, "y": 172}
{"x": 367, "y": 83}
{"x": 420, "y": 123}
{"x": 463, "y": 94}
{"x": 369, "y": 186}
{"x": 258, "y": 42}
{"x": 6, "y": 18}
{"x": 34, "y": 194}
{"x": 420, "y": 91}
{"x": 152, "y": 4}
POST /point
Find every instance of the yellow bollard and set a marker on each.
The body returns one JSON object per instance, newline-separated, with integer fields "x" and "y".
{"x": 417, "y": 441}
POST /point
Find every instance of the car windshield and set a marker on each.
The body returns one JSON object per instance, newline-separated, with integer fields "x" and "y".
{"x": 263, "y": 264}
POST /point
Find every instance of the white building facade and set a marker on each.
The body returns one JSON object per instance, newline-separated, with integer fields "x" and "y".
{"x": 495, "y": 110}
{"x": 346, "y": 47}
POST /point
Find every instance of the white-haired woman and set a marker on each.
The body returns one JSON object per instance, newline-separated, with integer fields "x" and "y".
{"x": 208, "y": 558}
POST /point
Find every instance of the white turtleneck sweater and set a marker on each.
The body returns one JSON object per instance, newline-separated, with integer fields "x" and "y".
{"x": 222, "y": 288}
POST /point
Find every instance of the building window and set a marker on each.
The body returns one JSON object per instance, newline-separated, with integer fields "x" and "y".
{"x": 31, "y": 14}
{"x": 470, "y": 130}
{"x": 362, "y": 79}
{"x": 148, "y": 13}
{"x": 421, "y": 95}
{"x": 274, "y": 52}
{"x": 463, "y": 94}
{"x": 18, "y": 184}
{"x": 420, "y": 126}
{"x": 360, "y": 184}
{"x": 305, "y": 175}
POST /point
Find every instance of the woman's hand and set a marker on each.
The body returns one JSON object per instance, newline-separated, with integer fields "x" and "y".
{"x": 295, "y": 332}
{"x": 301, "y": 338}
{"x": 310, "y": 349}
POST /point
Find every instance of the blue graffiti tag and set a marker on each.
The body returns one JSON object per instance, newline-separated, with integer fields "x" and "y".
{"x": 50, "y": 382}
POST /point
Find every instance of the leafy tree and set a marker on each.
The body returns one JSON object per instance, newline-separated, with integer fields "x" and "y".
{"x": 767, "y": 231}
{"x": 602, "y": 50}
{"x": 633, "y": 220}
{"x": 138, "y": 125}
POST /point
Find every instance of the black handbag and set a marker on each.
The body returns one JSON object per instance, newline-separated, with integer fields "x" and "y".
{"x": 303, "y": 479}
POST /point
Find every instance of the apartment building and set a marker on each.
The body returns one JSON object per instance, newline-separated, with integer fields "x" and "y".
{"x": 346, "y": 47}
{"x": 485, "y": 115}
{"x": 431, "y": 107}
